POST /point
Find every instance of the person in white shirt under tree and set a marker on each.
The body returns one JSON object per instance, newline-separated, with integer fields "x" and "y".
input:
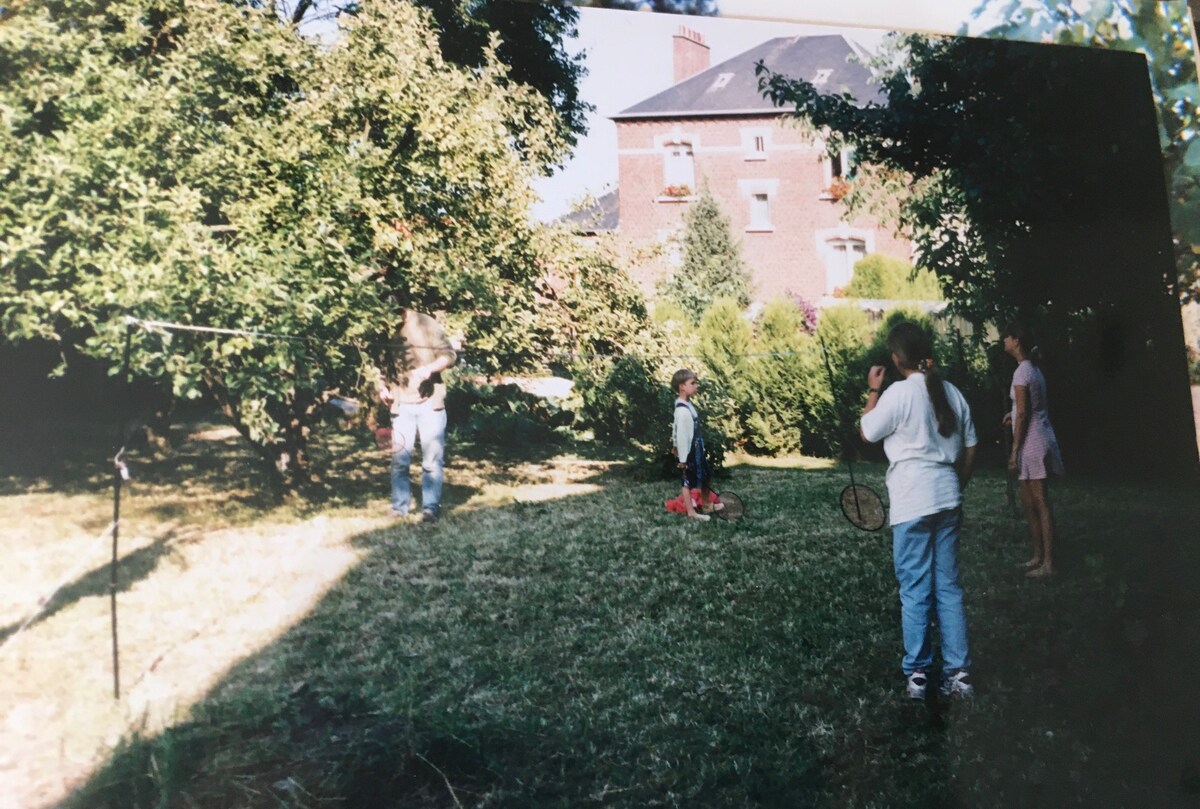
{"x": 927, "y": 433}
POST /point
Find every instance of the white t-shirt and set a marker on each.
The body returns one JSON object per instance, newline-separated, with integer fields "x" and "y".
{"x": 921, "y": 478}
{"x": 682, "y": 429}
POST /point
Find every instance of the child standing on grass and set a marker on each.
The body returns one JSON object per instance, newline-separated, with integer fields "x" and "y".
{"x": 688, "y": 440}
{"x": 1035, "y": 455}
{"x": 927, "y": 433}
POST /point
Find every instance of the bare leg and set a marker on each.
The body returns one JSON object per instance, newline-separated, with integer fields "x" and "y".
{"x": 691, "y": 506}
{"x": 1041, "y": 505}
{"x": 1035, "y": 525}
{"x": 707, "y": 504}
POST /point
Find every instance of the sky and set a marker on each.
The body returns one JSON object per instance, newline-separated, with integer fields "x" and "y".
{"x": 628, "y": 58}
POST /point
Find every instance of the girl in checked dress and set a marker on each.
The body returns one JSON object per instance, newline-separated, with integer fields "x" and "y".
{"x": 1035, "y": 454}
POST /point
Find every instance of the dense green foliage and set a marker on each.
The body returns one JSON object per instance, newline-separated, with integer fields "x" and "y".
{"x": 1162, "y": 32}
{"x": 712, "y": 265}
{"x": 774, "y": 378}
{"x": 725, "y": 339}
{"x": 532, "y": 45}
{"x": 624, "y": 401}
{"x": 997, "y": 194}
{"x": 831, "y": 409}
{"x": 503, "y": 415}
{"x": 1030, "y": 179}
{"x": 660, "y": 6}
{"x": 208, "y": 165}
{"x": 880, "y": 276}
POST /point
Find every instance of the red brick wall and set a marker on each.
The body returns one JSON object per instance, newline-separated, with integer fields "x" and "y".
{"x": 788, "y": 258}
{"x": 691, "y": 55}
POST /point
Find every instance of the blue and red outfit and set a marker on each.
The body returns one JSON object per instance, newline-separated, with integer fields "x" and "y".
{"x": 688, "y": 435}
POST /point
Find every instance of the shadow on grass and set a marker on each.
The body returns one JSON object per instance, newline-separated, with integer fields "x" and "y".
{"x": 210, "y": 463}
{"x": 133, "y": 567}
{"x": 596, "y": 651}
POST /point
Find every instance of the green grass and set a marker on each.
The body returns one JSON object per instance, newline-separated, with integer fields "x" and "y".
{"x": 559, "y": 640}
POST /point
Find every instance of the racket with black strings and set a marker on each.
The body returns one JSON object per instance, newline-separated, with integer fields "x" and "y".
{"x": 861, "y": 505}
{"x": 731, "y": 507}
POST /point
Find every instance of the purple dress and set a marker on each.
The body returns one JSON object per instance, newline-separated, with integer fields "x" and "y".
{"x": 1040, "y": 456}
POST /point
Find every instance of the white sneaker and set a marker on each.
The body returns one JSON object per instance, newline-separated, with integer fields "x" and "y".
{"x": 915, "y": 689}
{"x": 957, "y": 684}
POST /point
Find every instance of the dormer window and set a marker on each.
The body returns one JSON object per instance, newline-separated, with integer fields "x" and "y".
{"x": 822, "y": 76}
{"x": 720, "y": 81}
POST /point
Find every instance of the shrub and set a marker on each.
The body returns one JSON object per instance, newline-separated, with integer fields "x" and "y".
{"x": 712, "y": 261}
{"x": 502, "y": 415}
{"x": 829, "y": 416}
{"x": 725, "y": 340}
{"x": 621, "y": 401}
{"x": 880, "y": 276}
{"x": 809, "y": 310}
{"x": 775, "y": 413}
{"x": 667, "y": 311}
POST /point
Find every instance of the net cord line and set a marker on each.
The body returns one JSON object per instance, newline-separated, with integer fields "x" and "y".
{"x": 164, "y": 325}
{"x": 45, "y": 600}
{"x": 846, "y": 452}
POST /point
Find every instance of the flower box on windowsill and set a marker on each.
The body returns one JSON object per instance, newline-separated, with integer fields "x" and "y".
{"x": 836, "y": 190}
{"x": 677, "y": 193}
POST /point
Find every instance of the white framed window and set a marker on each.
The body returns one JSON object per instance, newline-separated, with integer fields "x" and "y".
{"x": 760, "y": 212}
{"x": 756, "y": 142}
{"x": 671, "y": 241}
{"x": 840, "y": 257}
{"x": 822, "y": 76}
{"x": 759, "y": 194}
{"x": 679, "y": 166}
{"x": 837, "y": 167}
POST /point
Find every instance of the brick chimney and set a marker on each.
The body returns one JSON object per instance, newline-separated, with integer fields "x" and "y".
{"x": 691, "y": 54}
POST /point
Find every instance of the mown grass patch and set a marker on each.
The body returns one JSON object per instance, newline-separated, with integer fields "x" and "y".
{"x": 581, "y": 647}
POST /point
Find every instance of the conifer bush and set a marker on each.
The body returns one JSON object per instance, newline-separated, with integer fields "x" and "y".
{"x": 725, "y": 341}
{"x": 712, "y": 262}
{"x": 830, "y": 416}
{"x": 786, "y": 356}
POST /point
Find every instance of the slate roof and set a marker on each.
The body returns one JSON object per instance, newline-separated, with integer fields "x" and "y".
{"x": 600, "y": 217}
{"x": 731, "y": 88}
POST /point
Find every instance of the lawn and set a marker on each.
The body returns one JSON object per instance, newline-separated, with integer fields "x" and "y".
{"x": 559, "y": 640}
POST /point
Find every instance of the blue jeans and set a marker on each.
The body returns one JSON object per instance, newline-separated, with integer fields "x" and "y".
{"x": 925, "y": 551}
{"x": 415, "y": 421}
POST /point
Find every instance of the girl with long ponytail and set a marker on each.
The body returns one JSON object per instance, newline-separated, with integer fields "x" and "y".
{"x": 927, "y": 433}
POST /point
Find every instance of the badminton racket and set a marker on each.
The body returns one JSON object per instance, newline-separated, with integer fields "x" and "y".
{"x": 731, "y": 508}
{"x": 861, "y": 505}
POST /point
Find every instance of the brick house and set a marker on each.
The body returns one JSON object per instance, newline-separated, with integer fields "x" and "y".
{"x": 771, "y": 177}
